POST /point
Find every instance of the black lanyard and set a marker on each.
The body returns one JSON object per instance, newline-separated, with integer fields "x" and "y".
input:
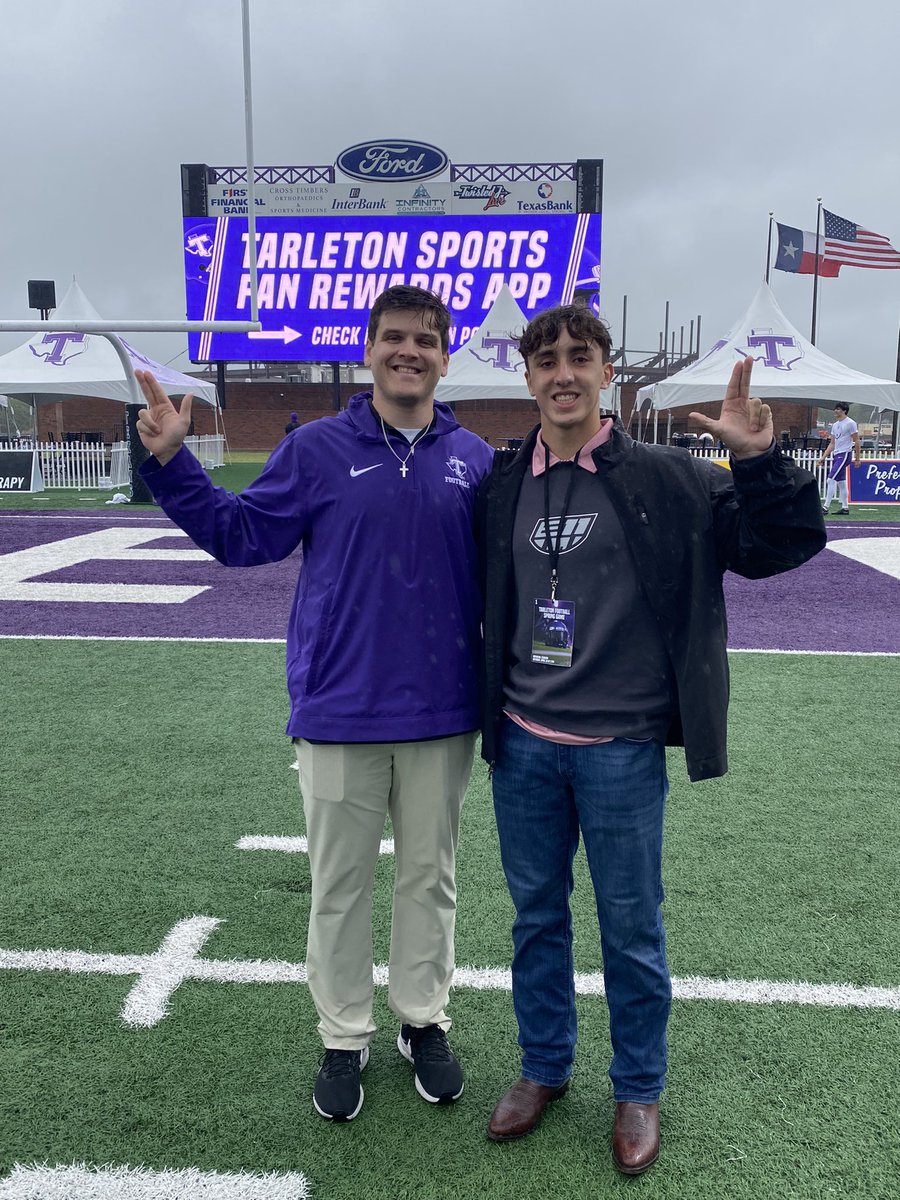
{"x": 553, "y": 544}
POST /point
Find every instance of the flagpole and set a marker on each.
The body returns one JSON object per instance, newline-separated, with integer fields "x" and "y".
{"x": 812, "y": 337}
{"x": 769, "y": 249}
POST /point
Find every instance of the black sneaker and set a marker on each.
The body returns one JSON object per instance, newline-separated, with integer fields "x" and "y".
{"x": 338, "y": 1094}
{"x": 843, "y": 512}
{"x": 826, "y": 511}
{"x": 439, "y": 1077}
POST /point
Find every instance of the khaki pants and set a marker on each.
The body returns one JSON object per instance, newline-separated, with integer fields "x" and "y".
{"x": 347, "y": 792}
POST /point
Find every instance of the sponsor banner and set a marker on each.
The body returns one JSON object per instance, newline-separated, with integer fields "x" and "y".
{"x": 875, "y": 481}
{"x": 392, "y": 158}
{"x": 432, "y": 198}
{"x": 327, "y": 199}
{"x": 514, "y": 197}
{"x": 273, "y": 199}
{"x": 318, "y": 278}
{"x": 20, "y": 471}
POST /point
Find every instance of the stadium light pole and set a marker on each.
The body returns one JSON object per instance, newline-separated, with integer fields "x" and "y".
{"x": 251, "y": 166}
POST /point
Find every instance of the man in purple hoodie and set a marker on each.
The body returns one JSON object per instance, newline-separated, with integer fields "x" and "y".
{"x": 381, "y": 669}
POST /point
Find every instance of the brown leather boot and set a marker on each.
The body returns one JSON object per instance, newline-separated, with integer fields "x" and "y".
{"x": 520, "y": 1109}
{"x": 635, "y": 1144}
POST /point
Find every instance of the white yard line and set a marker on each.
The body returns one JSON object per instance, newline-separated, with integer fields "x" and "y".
{"x": 177, "y": 959}
{"x": 95, "y": 637}
{"x": 99, "y": 637}
{"x": 148, "y": 1001}
{"x": 100, "y": 515}
{"x": 698, "y": 987}
{"x": 292, "y": 845}
{"x": 823, "y": 653}
{"x": 79, "y": 1181}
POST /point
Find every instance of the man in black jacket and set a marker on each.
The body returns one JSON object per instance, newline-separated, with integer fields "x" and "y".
{"x": 622, "y": 548}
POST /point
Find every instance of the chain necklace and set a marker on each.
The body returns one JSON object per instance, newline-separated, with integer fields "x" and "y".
{"x": 404, "y": 469}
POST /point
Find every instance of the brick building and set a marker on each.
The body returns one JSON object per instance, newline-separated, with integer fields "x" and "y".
{"x": 257, "y": 411}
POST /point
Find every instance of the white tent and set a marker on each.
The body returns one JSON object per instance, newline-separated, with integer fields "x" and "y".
{"x": 50, "y": 366}
{"x": 488, "y": 366}
{"x": 786, "y": 367}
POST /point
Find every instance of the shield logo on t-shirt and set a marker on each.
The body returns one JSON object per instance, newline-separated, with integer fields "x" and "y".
{"x": 575, "y": 531}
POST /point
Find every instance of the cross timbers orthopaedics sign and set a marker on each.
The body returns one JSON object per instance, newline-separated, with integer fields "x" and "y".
{"x": 319, "y": 276}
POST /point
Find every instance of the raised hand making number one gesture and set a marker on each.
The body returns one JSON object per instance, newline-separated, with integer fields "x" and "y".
{"x": 745, "y": 423}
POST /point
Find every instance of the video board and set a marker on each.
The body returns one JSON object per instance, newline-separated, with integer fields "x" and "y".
{"x": 318, "y": 278}
{"x": 331, "y": 238}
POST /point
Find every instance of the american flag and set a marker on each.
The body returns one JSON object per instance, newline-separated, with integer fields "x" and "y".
{"x": 852, "y": 246}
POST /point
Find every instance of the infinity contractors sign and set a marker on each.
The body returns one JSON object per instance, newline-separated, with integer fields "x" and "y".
{"x": 397, "y": 161}
{"x": 318, "y": 277}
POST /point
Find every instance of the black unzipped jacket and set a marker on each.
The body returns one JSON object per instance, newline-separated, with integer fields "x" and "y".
{"x": 686, "y": 521}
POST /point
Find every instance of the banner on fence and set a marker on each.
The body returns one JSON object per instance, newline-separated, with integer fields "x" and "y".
{"x": 876, "y": 481}
{"x": 20, "y": 471}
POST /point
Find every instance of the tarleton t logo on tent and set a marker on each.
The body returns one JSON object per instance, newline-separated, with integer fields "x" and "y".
{"x": 497, "y": 349}
{"x": 778, "y": 350}
{"x": 60, "y": 347}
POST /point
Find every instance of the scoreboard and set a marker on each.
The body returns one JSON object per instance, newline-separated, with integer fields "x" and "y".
{"x": 330, "y": 239}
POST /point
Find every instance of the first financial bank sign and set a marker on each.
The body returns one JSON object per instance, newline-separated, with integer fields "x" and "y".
{"x": 330, "y": 239}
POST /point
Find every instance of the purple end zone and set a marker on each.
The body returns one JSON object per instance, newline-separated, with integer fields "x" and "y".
{"x": 239, "y": 603}
{"x": 832, "y": 603}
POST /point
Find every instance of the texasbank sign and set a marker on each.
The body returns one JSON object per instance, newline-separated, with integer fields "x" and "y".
{"x": 392, "y": 161}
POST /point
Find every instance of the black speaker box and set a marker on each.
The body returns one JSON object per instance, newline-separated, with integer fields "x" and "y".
{"x": 41, "y": 293}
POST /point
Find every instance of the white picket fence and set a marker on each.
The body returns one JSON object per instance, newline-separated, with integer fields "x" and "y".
{"x": 92, "y": 465}
{"x": 75, "y": 464}
{"x": 119, "y": 466}
{"x": 808, "y": 459}
{"x": 81, "y": 465}
{"x": 209, "y": 448}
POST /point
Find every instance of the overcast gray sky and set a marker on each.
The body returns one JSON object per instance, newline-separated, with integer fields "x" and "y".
{"x": 707, "y": 115}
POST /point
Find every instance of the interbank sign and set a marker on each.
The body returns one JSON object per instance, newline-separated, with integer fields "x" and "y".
{"x": 397, "y": 161}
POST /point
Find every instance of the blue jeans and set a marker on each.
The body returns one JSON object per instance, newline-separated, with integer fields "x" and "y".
{"x": 615, "y": 792}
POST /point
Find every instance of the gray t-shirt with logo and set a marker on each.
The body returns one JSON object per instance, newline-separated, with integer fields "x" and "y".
{"x": 620, "y": 683}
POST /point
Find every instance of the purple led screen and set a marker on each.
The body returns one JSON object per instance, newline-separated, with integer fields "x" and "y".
{"x": 319, "y": 276}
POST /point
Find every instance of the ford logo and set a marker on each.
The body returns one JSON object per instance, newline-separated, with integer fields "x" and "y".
{"x": 390, "y": 160}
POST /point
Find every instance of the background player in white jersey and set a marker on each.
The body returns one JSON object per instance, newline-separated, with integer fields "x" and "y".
{"x": 843, "y": 444}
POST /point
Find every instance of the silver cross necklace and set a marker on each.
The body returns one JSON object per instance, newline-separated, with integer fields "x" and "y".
{"x": 404, "y": 469}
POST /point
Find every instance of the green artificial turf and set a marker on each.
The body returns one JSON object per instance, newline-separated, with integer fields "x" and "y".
{"x": 130, "y": 770}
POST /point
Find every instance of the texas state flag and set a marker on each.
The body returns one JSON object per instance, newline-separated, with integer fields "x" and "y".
{"x": 797, "y": 253}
